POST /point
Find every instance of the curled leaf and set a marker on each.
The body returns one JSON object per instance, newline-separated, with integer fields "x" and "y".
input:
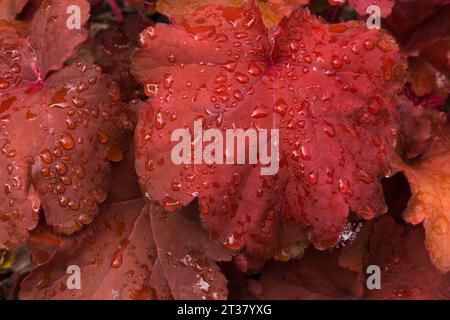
{"x": 429, "y": 178}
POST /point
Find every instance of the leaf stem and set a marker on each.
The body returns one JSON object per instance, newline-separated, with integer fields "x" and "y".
{"x": 116, "y": 9}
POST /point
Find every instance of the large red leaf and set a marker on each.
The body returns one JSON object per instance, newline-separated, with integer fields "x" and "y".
{"x": 330, "y": 89}
{"x": 57, "y": 134}
{"x": 115, "y": 255}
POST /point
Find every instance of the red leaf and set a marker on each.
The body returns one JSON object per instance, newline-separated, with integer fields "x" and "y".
{"x": 416, "y": 131}
{"x": 361, "y": 6}
{"x": 115, "y": 255}
{"x": 316, "y": 276}
{"x": 124, "y": 183}
{"x": 423, "y": 28}
{"x": 187, "y": 257}
{"x": 316, "y": 82}
{"x": 406, "y": 270}
{"x": 112, "y": 49}
{"x": 77, "y": 126}
{"x": 430, "y": 202}
{"x": 53, "y": 42}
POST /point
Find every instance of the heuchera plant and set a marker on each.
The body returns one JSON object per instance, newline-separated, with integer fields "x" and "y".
{"x": 88, "y": 125}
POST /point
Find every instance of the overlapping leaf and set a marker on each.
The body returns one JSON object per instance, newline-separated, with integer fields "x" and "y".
{"x": 58, "y": 131}
{"x": 187, "y": 256}
{"x": 330, "y": 89}
{"x": 273, "y": 10}
{"x": 317, "y": 276}
{"x": 361, "y": 6}
{"x": 429, "y": 178}
{"x": 423, "y": 28}
{"x": 10, "y": 8}
{"x": 406, "y": 270}
{"x": 115, "y": 255}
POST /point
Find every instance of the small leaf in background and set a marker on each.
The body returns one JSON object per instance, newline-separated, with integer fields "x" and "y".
{"x": 115, "y": 255}
{"x": 273, "y": 10}
{"x": 9, "y": 9}
{"x": 361, "y": 6}
{"x": 429, "y": 178}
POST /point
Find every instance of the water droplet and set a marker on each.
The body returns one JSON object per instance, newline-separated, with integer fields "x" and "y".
{"x": 329, "y": 129}
{"x": 79, "y": 102}
{"x": 280, "y": 107}
{"x": 176, "y": 185}
{"x": 369, "y": 44}
{"x": 168, "y": 81}
{"x": 241, "y": 35}
{"x": 241, "y": 78}
{"x": 305, "y": 153}
{"x": 46, "y": 156}
{"x": 204, "y": 208}
{"x": 99, "y": 195}
{"x": 80, "y": 172}
{"x": 336, "y": 62}
{"x": 150, "y": 89}
{"x": 66, "y": 141}
{"x": 61, "y": 168}
{"x": 238, "y": 95}
{"x": 230, "y": 66}
{"x": 114, "y": 154}
{"x": 313, "y": 178}
{"x": 30, "y": 115}
{"x": 234, "y": 242}
{"x": 4, "y": 84}
{"x": 260, "y": 111}
{"x": 344, "y": 185}
{"x": 63, "y": 201}
{"x": 236, "y": 178}
{"x": 159, "y": 122}
{"x": 201, "y": 32}
{"x": 117, "y": 259}
{"x": 172, "y": 58}
{"x": 151, "y": 33}
{"x": 16, "y": 68}
{"x": 365, "y": 177}
{"x": 254, "y": 69}
{"x": 221, "y": 38}
{"x": 387, "y": 69}
{"x": 66, "y": 180}
{"x": 149, "y": 165}
{"x": 85, "y": 218}
{"x": 220, "y": 78}
{"x": 248, "y": 22}
{"x": 102, "y": 136}
{"x": 171, "y": 204}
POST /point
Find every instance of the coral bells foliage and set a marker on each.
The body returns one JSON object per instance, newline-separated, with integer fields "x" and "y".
{"x": 356, "y": 123}
{"x": 60, "y": 127}
{"x": 329, "y": 89}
